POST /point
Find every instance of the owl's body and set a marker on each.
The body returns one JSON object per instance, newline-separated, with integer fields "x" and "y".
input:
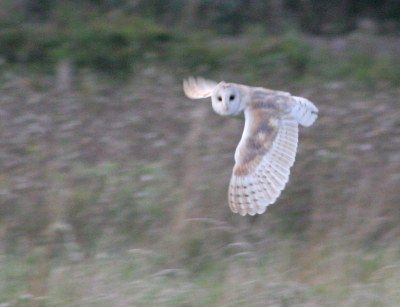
{"x": 268, "y": 146}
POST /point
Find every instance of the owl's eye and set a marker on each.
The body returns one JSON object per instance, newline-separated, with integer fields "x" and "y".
{"x": 219, "y": 98}
{"x": 231, "y": 97}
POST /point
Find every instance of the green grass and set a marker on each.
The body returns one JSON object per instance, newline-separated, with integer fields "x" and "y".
{"x": 346, "y": 276}
{"x": 141, "y": 196}
{"x": 13, "y": 272}
{"x": 120, "y": 214}
{"x": 118, "y": 44}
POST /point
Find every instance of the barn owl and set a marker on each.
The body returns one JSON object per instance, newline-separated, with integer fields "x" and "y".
{"x": 267, "y": 149}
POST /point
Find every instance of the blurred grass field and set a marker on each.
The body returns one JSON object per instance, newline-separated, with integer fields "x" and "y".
{"x": 113, "y": 184}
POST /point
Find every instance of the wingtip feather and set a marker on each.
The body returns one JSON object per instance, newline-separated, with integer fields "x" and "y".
{"x": 304, "y": 111}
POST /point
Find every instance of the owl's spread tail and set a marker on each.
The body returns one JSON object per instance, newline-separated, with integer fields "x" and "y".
{"x": 304, "y": 111}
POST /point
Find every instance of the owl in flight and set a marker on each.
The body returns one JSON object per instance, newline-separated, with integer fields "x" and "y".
{"x": 267, "y": 149}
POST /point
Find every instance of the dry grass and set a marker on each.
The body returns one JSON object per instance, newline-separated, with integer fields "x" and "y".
{"x": 116, "y": 194}
{"x": 282, "y": 275}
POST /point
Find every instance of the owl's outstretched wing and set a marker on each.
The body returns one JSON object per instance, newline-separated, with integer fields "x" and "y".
{"x": 197, "y": 88}
{"x": 263, "y": 158}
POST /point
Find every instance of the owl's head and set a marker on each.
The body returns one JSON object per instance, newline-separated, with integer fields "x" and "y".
{"x": 227, "y": 99}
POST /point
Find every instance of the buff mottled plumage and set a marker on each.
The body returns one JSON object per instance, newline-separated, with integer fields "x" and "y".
{"x": 268, "y": 146}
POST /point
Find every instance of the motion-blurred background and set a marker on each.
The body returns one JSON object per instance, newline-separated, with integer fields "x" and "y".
{"x": 113, "y": 185}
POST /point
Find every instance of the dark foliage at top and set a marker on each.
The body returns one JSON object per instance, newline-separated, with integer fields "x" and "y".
{"x": 232, "y": 17}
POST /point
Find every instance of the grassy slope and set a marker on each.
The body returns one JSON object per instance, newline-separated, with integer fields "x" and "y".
{"x": 94, "y": 181}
